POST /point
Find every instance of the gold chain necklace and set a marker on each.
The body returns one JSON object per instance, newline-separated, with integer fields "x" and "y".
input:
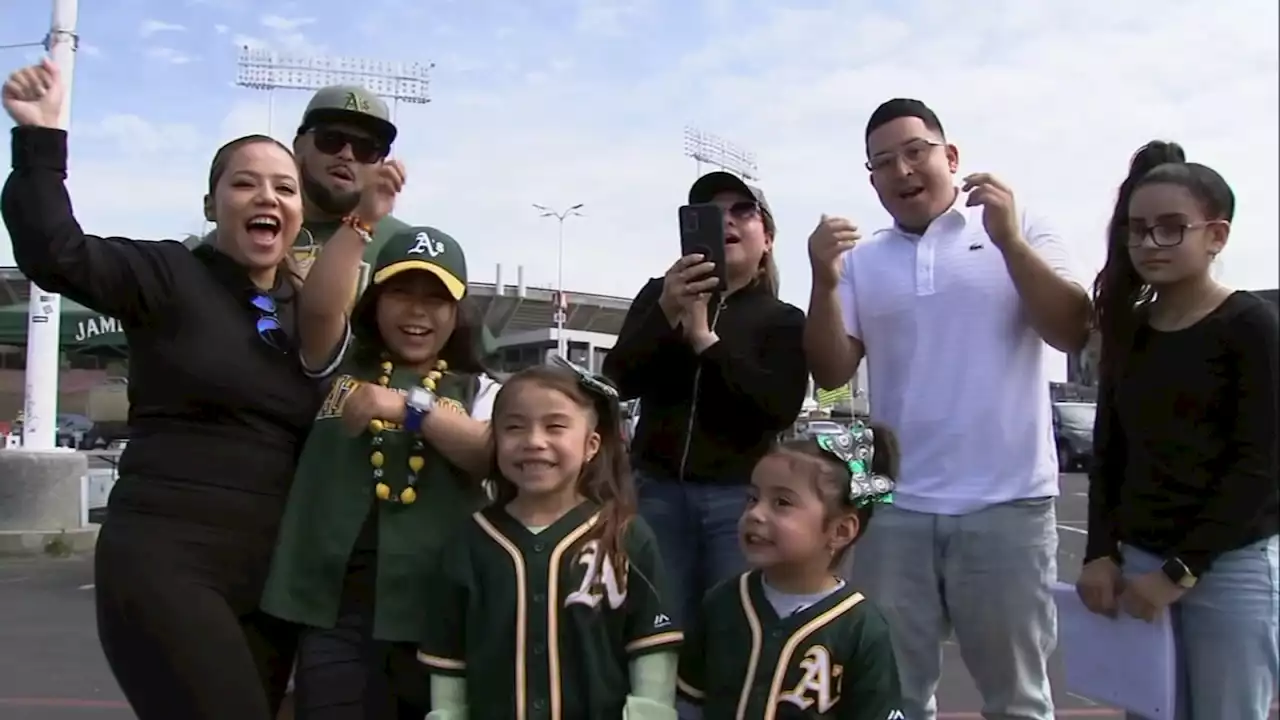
{"x": 416, "y": 452}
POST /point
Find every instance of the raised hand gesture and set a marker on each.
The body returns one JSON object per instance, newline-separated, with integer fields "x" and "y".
{"x": 33, "y": 96}
{"x": 385, "y": 181}
{"x": 833, "y": 237}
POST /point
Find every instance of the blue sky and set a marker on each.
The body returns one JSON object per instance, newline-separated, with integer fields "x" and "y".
{"x": 566, "y": 101}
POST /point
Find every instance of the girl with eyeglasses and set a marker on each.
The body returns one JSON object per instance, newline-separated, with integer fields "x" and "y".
{"x": 392, "y": 468}
{"x": 1183, "y": 502}
{"x": 220, "y": 407}
{"x": 719, "y": 375}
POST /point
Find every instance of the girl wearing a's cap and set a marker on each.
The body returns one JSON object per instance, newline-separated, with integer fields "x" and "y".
{"x": 740, "y": 360}
{"x": 392, "y": 466}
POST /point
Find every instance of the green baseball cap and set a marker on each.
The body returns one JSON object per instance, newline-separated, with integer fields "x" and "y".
{"x": 353, "y": 104}
{"x": 426, "y": 249}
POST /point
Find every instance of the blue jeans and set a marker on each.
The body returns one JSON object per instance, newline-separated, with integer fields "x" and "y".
{"x": 1226, "y": 633}
{"x": 987, "y": 577}
{"x": 697, "y": 530}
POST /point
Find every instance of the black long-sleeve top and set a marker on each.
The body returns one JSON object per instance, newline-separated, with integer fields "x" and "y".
{"x": 1185, "y": 448}
{"x": 217, "y": 415}
{"x": 727, "y": 404}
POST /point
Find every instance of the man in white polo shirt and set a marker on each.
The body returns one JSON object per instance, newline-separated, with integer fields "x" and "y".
{"x": 952, "y": 307}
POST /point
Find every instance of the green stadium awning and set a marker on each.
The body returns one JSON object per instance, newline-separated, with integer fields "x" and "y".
{"x": 82, "y": 329}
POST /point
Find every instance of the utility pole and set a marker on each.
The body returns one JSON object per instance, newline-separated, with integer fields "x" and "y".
{"x": 44, "y": 316}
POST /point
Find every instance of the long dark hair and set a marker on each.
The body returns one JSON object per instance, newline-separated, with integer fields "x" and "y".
{"x": 218, "y": 168}
{"x": 1119, "y": 292}
{"x": 465, "y": 351}
{"x": 606, "y": 478}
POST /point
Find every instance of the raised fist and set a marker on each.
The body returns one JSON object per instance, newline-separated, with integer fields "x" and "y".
{"x": 34, "y": 95}
{"x": 383, "y": 185}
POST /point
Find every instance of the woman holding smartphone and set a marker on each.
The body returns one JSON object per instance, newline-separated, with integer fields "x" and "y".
{"x": 718, "y": 377}
{"x": 1183, "y": 503}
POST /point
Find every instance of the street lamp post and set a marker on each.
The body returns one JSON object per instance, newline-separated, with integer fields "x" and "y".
{"x": 561, "y": 306}
{"x": 261, "y": 69}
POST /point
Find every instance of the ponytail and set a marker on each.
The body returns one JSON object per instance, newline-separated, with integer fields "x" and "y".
{"x": 1118, "y": 290}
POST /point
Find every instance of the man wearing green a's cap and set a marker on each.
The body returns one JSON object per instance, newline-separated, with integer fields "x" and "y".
{"x": 345, "y": 134}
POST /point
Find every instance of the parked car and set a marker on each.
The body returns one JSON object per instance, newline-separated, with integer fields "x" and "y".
{"x": 72, "y": 430}
{"x": 1073, "y": 434}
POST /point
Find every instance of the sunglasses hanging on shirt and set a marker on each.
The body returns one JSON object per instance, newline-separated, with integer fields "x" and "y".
{"x": 268, "y": 322}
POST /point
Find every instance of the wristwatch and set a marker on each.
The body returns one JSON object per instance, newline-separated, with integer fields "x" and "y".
{"x": 1178, "y": 573}
{"x": 418, "y": 403}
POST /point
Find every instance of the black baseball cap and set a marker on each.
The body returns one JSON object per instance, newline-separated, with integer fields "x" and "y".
{"x": 705, "y": 189}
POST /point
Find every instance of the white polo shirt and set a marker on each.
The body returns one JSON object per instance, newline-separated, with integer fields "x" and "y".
{"x": 954, "y": 367}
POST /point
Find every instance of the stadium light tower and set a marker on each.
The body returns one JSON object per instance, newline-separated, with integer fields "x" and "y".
{"x": 562, "y": 305}
{"x": 260, "y": 69}
{"x": 713, "y": 150}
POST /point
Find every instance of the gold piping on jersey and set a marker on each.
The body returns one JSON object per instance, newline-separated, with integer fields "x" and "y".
{"x": 665, "y": 638}
{"x": 797, "y": 637}
{"x": 522, "y": 610}
{"x": 553, "y": 612}
{"x": 753, "y": 660}
{"x": 441, "y": 663}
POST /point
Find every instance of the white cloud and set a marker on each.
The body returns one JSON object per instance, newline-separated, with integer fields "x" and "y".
{"x": 221, "y": 29}
{"x": 169, "y": 55}
{"x": 1051, "y": 97}
{"x": 151, "y": 27}
{"x": 284, "y": 24}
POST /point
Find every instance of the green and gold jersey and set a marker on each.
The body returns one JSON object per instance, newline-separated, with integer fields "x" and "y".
{"x": 832, "y": 659}
{"x": 541, "y": 626}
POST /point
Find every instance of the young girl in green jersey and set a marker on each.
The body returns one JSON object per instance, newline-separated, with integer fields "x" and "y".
{"x": 551, "y": 601}
{"x": 391, "y": 469}
{"x": 790, "y": 638}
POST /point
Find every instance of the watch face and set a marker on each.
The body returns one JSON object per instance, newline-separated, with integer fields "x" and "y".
{"x": 419, "y": 398}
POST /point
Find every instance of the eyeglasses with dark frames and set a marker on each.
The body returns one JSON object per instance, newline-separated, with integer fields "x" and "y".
{"x": 1165, "y": 233}
{"x": 912, "y": 153}
{"x": 268, "y": 323}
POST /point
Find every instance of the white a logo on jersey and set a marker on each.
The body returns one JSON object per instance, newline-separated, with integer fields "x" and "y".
{"x": 599, "y": 581}
{"x": 819, "y": 681}
{"x": 896, "y": 715}
{"x": 423, "y": 243}
{"x": 661, "y": 620}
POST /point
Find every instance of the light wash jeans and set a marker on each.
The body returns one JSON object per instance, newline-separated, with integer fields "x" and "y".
{"x": 1226, "y": 632}
{"x": 987, "y": 577}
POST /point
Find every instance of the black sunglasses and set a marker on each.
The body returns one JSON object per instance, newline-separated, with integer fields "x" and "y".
{"x": 744, "y": 209}
{"x": 268, "y": 323}
{"x": 331, "y": 141}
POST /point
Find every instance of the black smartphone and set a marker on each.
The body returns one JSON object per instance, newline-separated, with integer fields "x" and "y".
{"x": 702, "y": 233}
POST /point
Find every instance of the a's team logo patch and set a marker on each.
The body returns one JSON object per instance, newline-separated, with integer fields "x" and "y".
{"x": 338, "y": 393}
{"x": 661, "y": 620}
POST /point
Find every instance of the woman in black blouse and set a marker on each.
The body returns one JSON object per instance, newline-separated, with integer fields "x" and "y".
{"x": 219, "y": 407}
{"x": 1183, "y": 501}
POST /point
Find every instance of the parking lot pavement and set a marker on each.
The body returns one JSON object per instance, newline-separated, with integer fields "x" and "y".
{"x": 52, "y": 669}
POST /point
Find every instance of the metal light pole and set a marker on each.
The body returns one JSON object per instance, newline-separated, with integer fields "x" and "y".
{"x": 268, "y": 70}
{"x": 713, "y": 150}
{"x": 44, "y": 315}
{"x": 561, "y": 305}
